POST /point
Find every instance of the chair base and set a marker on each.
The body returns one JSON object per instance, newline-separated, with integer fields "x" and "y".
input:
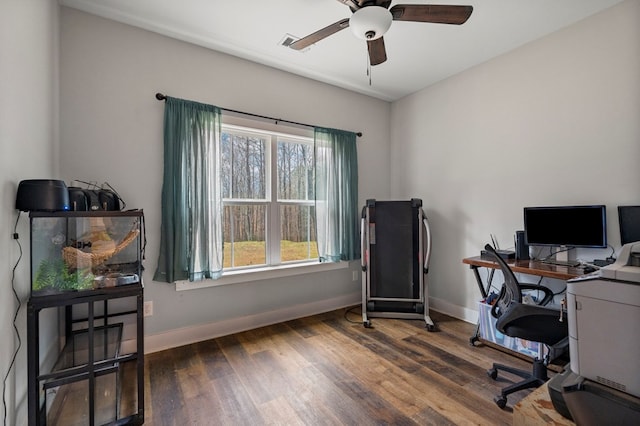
{"x": 536, "y": 378}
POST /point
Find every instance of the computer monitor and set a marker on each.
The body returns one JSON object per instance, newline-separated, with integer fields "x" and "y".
{"x": 629, "y": 218}
{"x": 566, "y": 226}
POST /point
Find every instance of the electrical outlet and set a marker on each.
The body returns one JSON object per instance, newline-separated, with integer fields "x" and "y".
{"x": 355, "y": 275}
{"x": 148, "y": 308}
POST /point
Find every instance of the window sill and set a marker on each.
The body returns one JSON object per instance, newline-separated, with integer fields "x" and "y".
{"x": 268, "y": 272}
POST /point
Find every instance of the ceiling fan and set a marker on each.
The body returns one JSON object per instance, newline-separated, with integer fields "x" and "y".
{"x": 372, "y": 18}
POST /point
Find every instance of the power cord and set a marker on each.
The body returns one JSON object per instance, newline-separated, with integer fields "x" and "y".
{"x": 493, "y": 288}
{"x": 559, "y": 292}
{"x": 553, "y": 253}
{"x": 350, "y": 311}
{"x": 15, "y": 317}
{"x": 555, "y": 293}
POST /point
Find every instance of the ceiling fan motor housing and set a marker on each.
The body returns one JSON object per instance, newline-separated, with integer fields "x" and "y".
{"x": 371, "y": 22}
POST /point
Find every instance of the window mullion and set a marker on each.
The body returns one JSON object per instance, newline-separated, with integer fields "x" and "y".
{"x": 273, "y": 243}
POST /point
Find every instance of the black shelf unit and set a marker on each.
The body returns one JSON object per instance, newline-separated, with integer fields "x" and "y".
{"x": 86, "y": 299}
{"x": 77, "y": 364}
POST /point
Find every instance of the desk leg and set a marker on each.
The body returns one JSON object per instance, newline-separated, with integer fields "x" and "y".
{"x": 484, "y": 291}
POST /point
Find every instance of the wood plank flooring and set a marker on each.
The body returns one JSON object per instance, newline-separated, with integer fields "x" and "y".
{"x": 328, "y": 370}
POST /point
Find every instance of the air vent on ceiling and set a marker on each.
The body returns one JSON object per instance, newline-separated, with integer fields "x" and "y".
{"x": 288, "y": 39}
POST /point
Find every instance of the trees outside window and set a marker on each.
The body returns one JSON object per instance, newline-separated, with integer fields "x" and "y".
{"x": 268, "y": 198}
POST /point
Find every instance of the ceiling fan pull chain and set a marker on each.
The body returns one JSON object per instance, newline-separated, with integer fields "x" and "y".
{"x": 369, "y": 70}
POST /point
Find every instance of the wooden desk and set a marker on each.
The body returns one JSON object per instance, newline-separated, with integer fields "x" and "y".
{"x": 529, "y": 267}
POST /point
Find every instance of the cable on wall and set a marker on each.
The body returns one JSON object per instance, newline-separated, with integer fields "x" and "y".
{"x": 15, "y": 317}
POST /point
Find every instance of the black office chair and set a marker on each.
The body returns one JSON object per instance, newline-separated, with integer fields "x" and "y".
{"x": 527, "y": 321}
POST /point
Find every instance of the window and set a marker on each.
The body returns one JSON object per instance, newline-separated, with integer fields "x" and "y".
{"x": 249, "y": 191}
{"x": 268, "y": 198}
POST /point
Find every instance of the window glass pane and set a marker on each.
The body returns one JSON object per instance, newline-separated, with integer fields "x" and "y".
{"x": 244, "y": 235}
{"x": 243, "y": 166}
{"x": 295, "y": 167}
{"x": 297, "y": 230}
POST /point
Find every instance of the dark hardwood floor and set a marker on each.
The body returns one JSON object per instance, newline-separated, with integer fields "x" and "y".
{"x": 326, "y": 370}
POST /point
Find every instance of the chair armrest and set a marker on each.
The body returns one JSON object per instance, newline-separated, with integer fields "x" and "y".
{"x": 548, "y": 293}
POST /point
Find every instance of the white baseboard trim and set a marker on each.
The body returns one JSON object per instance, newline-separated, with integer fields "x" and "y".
{"x": 460, "y": 312}
{"x": 187, "y": 335}
{"x": 198, "y": 333}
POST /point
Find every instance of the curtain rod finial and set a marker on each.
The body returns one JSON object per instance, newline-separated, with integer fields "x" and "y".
{"x": 359, "y": 134}
{"x": 161, "y": 97}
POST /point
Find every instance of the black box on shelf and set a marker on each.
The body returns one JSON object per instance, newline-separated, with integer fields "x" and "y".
{"x": 505, "y": 254}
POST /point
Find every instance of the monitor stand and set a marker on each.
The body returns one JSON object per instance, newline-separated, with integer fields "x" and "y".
{"x": 565, "y": 256}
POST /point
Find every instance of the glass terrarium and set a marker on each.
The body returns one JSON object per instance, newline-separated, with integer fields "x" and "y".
{"x": 75, "y": 251}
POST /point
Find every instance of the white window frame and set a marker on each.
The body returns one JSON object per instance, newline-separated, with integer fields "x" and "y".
{"x": 243, "y": 130}
{"x": 277, "y": 203}
{"x": 259, "y": 274}
{"x": 274, "y": 268}
{"x": 271, "y": 200}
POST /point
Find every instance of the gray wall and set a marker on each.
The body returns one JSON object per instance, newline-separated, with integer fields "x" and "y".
{"x": 111, "y": 130}
{"x": 28, "y": 139}
{"x": 555, "y": 122}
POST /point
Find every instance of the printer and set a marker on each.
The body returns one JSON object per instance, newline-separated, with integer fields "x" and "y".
{"x": 603, "y": 312}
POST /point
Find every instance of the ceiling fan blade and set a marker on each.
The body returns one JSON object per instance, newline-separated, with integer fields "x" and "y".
{"x": 353, "y": 4}
{"x": 377, "y": 52}
{"x": 359, "y": 4}
{"x": 319, "y": 35}
{"x": 439, "y": 14}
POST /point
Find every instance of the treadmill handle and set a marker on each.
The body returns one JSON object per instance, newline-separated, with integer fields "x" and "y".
{"x": 363, "y": 263}
{"x": 427, "y": 254}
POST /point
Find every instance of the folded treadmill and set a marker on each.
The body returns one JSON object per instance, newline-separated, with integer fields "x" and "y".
{"x": 396, "y": 247}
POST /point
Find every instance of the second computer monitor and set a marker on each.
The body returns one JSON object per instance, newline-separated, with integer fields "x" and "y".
{"x": 629, "y": 217}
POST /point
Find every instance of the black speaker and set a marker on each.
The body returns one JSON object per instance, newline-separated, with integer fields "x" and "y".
{"x": 78, "y": 200}
{"x": 522, "y": 248}
{"x": 93, "y": 199}
{"x": 45, "y": 195}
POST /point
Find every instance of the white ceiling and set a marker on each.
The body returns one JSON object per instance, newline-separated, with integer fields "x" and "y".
{"x": 419, "y": 54}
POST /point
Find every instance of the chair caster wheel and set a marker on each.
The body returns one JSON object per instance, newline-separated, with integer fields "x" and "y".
{"x": 493, "y": 373}
{"x": 367, "y": 324}
{"x": 501, "y": 401}
{"x": 431, "y": 327}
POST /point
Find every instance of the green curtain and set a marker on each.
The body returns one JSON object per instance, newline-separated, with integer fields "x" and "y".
{"x": 191, "y": 233}
{"x": 336, "y": 189}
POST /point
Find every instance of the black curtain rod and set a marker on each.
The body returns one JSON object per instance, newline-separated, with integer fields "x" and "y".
{"x": 161, "y": 97}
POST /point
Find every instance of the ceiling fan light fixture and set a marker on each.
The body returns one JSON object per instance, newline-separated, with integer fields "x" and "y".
{"x": 371, "y": 22}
